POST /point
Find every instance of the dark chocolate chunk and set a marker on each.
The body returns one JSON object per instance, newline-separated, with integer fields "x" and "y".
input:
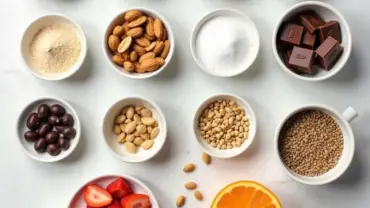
{"x": 311, "y": 21}
{"x": 308, "y": 40}
{"x": 330, "y": 29}
{"x": 329, "y": 52}
{"x": 301, "y": 59}
{"x": 291, "y": 35}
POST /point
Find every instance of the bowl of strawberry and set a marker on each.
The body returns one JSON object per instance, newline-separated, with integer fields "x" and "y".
{"x": 114, "y": 192}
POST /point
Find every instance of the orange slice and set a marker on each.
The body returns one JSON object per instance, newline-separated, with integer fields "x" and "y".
{"x": 245, "y": 194}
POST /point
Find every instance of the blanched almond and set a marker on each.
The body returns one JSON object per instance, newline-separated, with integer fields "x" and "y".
{"x": 130, "y": 147}
{"x": 132, "y": 15}
{"x": 130, "y": 127}
{"x": 149, "y": 55}
{"x": 121, "y": 138}
{"x": 154, "y": 133}
{"x": 158, "y": 28}
{"x": 125, "y": 44}
{"x": 120, "y": 119}
{"x": 117, "y": 129}
{"x": 148, "y": 121}
{"x": 137, "y": 22}
{"x": 135, "y": 32}
{"x": 147, "y": 144}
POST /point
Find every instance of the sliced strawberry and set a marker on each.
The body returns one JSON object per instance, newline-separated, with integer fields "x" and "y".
{"x": 96, "y": 196}
{"x": 136, "y": 201}
{"x": 115, "y": 204}
{"x": 119, "y": 188}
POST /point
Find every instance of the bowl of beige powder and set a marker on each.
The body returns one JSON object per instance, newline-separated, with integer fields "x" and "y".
{"x": 53, "y": 47}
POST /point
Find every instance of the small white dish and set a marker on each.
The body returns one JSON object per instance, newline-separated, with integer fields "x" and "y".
{"x": 28, "y": 147}
{"x": 119, "y": 150}
{"x": 348, "y": 144}
{"x": 252, "y": 40}
{"x": 117, "y": 20}
{"x": 137, "y": 186}
{"x": 229, "y": 152}
{"x": 328, "y": 13}
{"x": 34, "y": 28}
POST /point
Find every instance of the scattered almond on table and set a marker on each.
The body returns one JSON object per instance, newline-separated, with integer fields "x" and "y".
{"x": 139, "y": 43}
{"x": 135, "y": 127}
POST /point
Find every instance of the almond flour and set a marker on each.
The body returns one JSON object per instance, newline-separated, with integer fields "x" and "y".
{"x": 55, "y": 49}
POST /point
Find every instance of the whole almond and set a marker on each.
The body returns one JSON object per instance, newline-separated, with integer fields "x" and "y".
{"x": 190, "y": 185}
{"x": 166, "y": 49}
{"x": 118, "y": 60}
{"x": 126, "y": 55}
{"x": 151, "y": 46}
{"x": 149, "y": 28}
{"x": 180, "y": 201}
{"x": 159, "y": 60}
{"x": 188, "y": 168}
{"x": 158, "y": 48}
{"x": 138, "y": 68}
{"x": 128, "y": 66}
{"x": 149, "y": 55}
{"x": 118, "y": 30}
{"x": 126, "y": 27}
{"x": 137, "y": 22}
{"x": 125, "y": 44}
{"x": 164, "y": 36}
{"x": 149, "y": 65}
{"x": 130, "y": 147}
{"x": 133, "y": 56}
{"x": 135, "y": 32}
{"x": 149, "y": 37}
{"x": 206, "y": 158}
{"x": 138, "y": 49}
{"x": 198, "y": 195}
{"x": 113, "y": 42}
{"x": 132, "y": 15}
{"x": 147, "y": 144}
{"x": 143, "y": 42}
{"x": 158, "y": 28}
{"x": 154, "y": 133}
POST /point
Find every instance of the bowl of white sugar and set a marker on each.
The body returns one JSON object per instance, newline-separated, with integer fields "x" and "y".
{"x": 53, "y": 47}
{"x": 225, "y": 43}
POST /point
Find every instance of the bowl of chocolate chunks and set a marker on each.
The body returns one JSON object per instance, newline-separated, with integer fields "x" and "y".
{"x": 312, "y": 41}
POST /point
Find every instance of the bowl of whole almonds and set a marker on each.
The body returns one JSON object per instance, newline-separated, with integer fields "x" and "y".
{"x": 138, "y": 43}
{"x": 224, "y": 125}
{"x": 134, "y": 129}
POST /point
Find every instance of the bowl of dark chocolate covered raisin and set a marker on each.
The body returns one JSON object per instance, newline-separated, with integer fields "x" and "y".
{"x": 48, "y": 129}
{"x": 312, "y": 41}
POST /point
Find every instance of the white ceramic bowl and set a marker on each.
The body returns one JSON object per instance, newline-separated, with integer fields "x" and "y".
{"x": 118, "y": 20}
{"x": 229, "y": 152}
{"x": 251, "y": 33}
{"x": 328, "y": 13}
{"x": 138, "y": 187}
{"x": 119, "y": 150}
{"x": 41, "y": 23}
{"x": 29, "y": 146}
{"x": 348, "y": 145}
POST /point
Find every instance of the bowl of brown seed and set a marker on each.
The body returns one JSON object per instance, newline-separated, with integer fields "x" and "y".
{"x": 315, "y": 143}
{"x": 224, "y": 125}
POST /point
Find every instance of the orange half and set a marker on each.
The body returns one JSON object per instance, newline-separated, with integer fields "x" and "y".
{"x": 245, "y": 194}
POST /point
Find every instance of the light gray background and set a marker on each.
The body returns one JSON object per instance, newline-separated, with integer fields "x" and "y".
{"x": 178, "y": 90}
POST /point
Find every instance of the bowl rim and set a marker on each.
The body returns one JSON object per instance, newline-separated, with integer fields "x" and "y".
{"x": 164, "y": 124}
{"x": 307, "y": 107}
{"x": 150, "y": 193}
{"x": 170, "y": 37}
{"x": 245, "y": 105}
{"x": 63, "y": 154}
{"x": 346, "y": 27}
{"x": 202, "y": 21}
{"x": 77, "y": 66}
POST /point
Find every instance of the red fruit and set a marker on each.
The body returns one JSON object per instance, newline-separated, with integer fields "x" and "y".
{"x": 119, "y": 188}
{"x": 115, "y": 204}
{"x": 96, "y": 196}
{"x": 136, "y": 201}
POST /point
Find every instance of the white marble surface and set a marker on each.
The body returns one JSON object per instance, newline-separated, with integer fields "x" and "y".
{"x": 178, "y": 90}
